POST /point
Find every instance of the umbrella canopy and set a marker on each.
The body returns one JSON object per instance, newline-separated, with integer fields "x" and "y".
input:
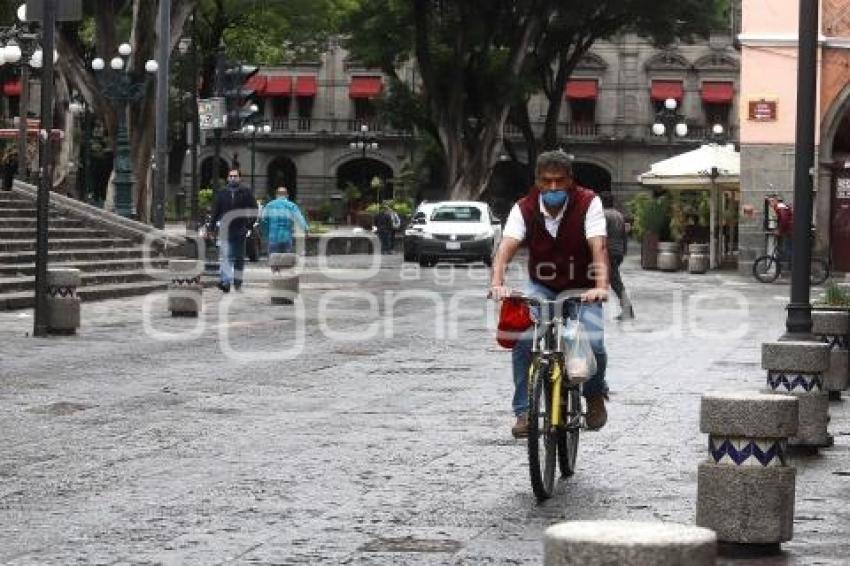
{"x": 693, "y": 169}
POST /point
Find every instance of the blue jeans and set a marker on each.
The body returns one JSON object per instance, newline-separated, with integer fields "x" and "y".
{"x": 592, "y": 316}
{"x": 280, "y": 247}
{"x": 232, "y": 258}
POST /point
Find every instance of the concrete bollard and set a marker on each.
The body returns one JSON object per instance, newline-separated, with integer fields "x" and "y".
{"x": 63, "y": 304}
{"x": 668, "y": 256}
{"x": 628, "y": 543}
{"x": 797, "y": 367}
{"x": 185, "y": 291}
{"x": 284, "y": 284}
{"x": 698, "y": 258}
{"x": 833, "y": 328}
{"x": 745, "y": 491}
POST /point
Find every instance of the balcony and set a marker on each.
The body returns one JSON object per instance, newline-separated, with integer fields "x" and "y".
{"x": 642, "y": 132}
{"x": 300, "y": 126}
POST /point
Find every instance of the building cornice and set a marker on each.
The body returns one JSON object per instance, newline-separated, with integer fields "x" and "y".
{"x": 789, "y": 40}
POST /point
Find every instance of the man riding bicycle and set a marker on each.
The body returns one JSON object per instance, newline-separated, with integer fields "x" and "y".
{"x": 563, "y": 226}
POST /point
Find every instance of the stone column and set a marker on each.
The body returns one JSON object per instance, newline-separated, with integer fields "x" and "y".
{"x": 63, "y": 304}
{"x": 833, "y": 328}
{"x": 698, "y": 257}
{"x": 668, "y": 256}
{"x": 745, "y": 491}
{"x": 628, "y": 543}
{"x": 185, "y": 290}
{"x": 797, "y": 368}
{"x": 284, "y": 284}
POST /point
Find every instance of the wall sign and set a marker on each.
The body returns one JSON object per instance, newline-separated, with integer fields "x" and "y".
{"x": 762, "y": 110}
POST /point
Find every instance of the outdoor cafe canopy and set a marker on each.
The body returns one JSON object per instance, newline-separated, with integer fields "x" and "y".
{"x": 710, "y": 167}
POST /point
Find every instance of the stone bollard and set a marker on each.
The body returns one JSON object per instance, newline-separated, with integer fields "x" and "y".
{"x": 745, "y": 491}
{"x": 185, "y": 291}
{"x": 284, "y": 284}
{"x": 668, "y": 256}
{"x": 797, "y": 367}
{"x": 698, "y": 258}
{"x": 833, "y": 327}
{"x": 63, "y": 304}
{"x": 628, "y": 543}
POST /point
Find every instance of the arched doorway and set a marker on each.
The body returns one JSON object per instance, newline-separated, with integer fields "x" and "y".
{"x": 839, "y": 206}
{"x": 361, "y": 173}
{"x": 207, "y": 171}
{"x": 508, "y": 183}
{"x": 592, "y": 176}
{"x": 281, "y": 173}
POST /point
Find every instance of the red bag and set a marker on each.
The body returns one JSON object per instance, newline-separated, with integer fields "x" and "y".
{"x": 514, "y": 319}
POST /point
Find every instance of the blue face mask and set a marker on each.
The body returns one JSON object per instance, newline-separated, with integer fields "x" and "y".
{"x": 555, "y": 198}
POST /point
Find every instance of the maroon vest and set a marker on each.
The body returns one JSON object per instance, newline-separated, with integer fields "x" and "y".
{"x": 562, "y": 262}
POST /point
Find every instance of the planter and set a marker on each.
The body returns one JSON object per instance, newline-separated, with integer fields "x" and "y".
{"x": 668, "y": 256}
{"x": 649, "y": 251}
{"x": 698, "y": 258}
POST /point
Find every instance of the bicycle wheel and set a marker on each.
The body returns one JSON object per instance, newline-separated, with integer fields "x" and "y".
{"x": 568, "y": 437}
{"x": 766, "y": 269}
{"x": 542, "y": 441}
{"x": 819, "y": 271}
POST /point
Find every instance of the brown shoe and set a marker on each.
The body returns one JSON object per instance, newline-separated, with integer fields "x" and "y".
{"x": 520, "y": 429}
{"x": 596, "y": 416}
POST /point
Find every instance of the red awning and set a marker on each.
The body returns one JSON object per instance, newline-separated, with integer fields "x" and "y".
{"x": 662, "y": 90}
{"x": 305, "y": 85}
{"x": 257, "y": 83}
{"x": 718, "y": 92}
{"x": 365, "y": 87}
{"x": 12, "y": 87}
{"x": 278, "y": 86}
{"x": 582, "y": 89}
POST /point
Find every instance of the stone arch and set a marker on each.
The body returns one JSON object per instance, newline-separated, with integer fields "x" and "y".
{"x": 508, "y": 183}
{"x": 831, "y": 122}
{"x": 591, "y": 174}
{"x": 360, "y": 172}
{"x": 717, "y": 60}
{"x": 281, "y": 171}
{"x": 591, "y": 62}
{"x": 207, "y": 172}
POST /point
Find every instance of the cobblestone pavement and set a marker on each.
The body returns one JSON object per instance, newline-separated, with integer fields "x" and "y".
{"x": 151, "y": 439}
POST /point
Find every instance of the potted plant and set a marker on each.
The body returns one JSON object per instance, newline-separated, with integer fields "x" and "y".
{"x": 651, "y": 223}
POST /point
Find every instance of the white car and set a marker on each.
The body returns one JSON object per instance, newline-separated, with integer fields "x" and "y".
{"x": 464, "y": 230}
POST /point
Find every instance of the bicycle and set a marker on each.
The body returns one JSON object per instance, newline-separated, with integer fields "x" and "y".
{"x": 768, "y": 268}
{"x": 555, "y": 415}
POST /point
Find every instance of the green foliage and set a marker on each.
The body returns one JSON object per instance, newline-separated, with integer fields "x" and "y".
{"x": 836, "y": 295}
{"x": 651, "y": 215}
{"x": 403, "y": 207}
{"x": 686, "y": 209}
{"x": 205, "y": 197}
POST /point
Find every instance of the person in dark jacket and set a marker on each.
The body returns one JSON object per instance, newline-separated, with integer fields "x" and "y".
{"x": 617, "y": 246}
{"x": 10, "y": 169}
{"x": 384, "y": 225}
{"x": 234, "y": 211}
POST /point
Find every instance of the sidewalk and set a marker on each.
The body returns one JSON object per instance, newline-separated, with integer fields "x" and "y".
{"x": 384, "y": 447}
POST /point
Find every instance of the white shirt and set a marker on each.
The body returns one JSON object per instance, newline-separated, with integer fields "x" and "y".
{"x": 594, "y": 221}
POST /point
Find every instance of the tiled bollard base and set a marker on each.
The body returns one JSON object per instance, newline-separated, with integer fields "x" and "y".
{"x": 63, "y": 304}
{"x": 185, "y": 291}
{"x": 833, "y": 328}
{"x": 745, "y": 491}
{"x": 796, "y": 368}
{"x": 628, "y": 543}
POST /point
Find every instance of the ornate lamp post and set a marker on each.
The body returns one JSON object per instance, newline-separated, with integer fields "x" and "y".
{"x": 252, "y": 129}
{"x": 362, "y": 143}
{"x": 668, "y": 121}
{"x": 119, "y": 87}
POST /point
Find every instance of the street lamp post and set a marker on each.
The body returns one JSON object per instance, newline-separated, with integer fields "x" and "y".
{"x": 121, "y": 90}
{"x": 252, "y": 129}
{"x": 668, "y": 121}
{"x": 362, "y": 143}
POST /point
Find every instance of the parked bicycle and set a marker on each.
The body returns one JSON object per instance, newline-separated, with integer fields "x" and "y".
{"x": 768, "y": 268}
{"x": 555, "y": 415}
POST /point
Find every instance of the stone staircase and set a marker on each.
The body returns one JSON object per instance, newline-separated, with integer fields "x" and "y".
{"x": 111, "y": 265}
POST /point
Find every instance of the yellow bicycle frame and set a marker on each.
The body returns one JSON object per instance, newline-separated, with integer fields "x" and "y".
{"x": 555, "y": 378}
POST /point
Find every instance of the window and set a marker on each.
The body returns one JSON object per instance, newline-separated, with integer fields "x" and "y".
{"x": 456, "y": 214}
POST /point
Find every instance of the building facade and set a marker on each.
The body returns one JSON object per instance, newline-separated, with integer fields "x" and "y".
{"x": 768, "y": 120}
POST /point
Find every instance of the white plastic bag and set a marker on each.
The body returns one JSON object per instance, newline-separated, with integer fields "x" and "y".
{"x": 579, "y": 356}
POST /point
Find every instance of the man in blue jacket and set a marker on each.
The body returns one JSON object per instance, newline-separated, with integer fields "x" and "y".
{"x": 235, "y": 211}
{"x": 278, "y": 220}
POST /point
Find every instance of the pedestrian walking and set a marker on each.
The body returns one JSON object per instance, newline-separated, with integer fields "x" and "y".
{"x": 234, "y": 212}
{"x": 618, "y": 242}
{"x": 784, "y": 225}
{"x": 278, "y": 219}
{"x": 10, "y": 168}
{"x": 384, "y": 225}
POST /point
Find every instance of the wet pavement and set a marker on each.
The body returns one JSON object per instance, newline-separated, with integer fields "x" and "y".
{"x": 368, "y": 424}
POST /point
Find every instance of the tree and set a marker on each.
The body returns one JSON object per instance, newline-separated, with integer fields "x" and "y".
{"x": 478, "y": 62}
